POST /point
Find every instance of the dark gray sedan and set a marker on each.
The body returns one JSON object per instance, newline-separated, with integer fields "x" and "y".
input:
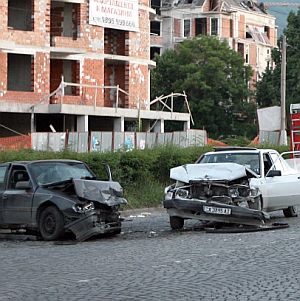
{"x": 51, "y": 197}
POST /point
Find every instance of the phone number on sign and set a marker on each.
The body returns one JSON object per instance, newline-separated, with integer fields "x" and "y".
{"x": 119, "y": 22}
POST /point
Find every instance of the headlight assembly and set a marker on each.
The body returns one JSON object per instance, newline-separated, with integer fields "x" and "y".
{"x": 254, "y": 192}
{"x": 233, "y": 192}
{"x": 82, "y": 208}
{"x": 182, "y": 193}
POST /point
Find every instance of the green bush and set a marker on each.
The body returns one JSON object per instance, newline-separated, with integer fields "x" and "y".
{"x": 142, "y": 173}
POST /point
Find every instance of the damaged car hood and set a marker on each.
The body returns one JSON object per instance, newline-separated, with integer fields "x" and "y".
{"x": 211, "y": 171}
{"x": 105, "y": 192}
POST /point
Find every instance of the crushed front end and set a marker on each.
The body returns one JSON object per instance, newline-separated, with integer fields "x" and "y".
{"x": 219, "y": 193}
{"x": 96, "y": 210}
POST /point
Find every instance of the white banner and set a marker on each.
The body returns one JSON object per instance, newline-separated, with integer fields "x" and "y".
{"x": 269, "y": 118}
{"x": 118, "y": 14}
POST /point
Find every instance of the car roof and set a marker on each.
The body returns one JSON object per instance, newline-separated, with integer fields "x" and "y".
{"x": 44, "y": 161}
{"x": 239, "y": 149}
{"x": 231, "y": 148}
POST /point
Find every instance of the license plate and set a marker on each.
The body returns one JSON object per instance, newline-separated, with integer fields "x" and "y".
{"x": 216, "y": 210}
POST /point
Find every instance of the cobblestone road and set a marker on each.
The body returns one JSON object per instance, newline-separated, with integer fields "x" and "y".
{"x": 150, "y": 262}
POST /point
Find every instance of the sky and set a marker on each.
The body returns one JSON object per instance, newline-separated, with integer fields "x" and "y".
{"x": 281, "y": 13}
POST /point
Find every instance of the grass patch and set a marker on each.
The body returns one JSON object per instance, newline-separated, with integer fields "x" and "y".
{"x": 143, "y": 195}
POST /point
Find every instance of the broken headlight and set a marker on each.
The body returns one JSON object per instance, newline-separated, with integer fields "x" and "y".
{"x": 182, "y": 193}
{"x": 82, "y": 208}
{"x": 254, "y": 192}
{"x": 233, "y": 192}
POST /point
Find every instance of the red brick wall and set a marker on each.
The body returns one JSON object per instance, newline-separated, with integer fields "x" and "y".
{"x": 116, "y": 75}
{"x": 138, "y": 87}
{"x": 92, "y": 74}
{"x": 90, "y": 40}
{"x": 3, "y": 75}
{"x": 225, "y": 28}
{"x": 56, "y": 21}
{"x": 114, "y": 41}
{"x": 253, "y": 55}
{"x": 56, "y": 71}
{"x": 177, "y": 27}
{"x": 241, "y": 28}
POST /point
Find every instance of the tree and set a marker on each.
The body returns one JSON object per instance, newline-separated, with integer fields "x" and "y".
{"x": 268, "y": 89}
{"x": 215, "y": 80}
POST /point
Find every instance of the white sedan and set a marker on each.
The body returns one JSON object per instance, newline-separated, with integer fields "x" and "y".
{"x": 234, "y": 185}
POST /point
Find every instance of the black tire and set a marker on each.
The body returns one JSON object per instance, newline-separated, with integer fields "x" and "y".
{"x": 51, "y": 223}
{"x": 290, "y": 211}
{"x": 257, "y": 204}
{"x": 176, "y": 222}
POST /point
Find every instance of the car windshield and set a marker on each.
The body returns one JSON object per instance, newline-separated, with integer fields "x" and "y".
{"x": 250, "y": 160}
{"x": 52, "y": 172}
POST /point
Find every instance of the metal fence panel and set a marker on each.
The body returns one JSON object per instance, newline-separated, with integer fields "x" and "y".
{"x": 83, "y": 142}
{"x": 106, "y": 143}
{"x": 73, "y": 141}
{"x": 161, "y": 138}
{"x": 180, "y": 139}
{"x": 168, "y": 138}
{"x": 96, "y": 141}
{"x": 129, "y": 141}
{"x": 196, "y": 137}
{"x": 141, "y": 140}
{"x": 118, "y": 140}
{"x": 39, "y": 141}
{"x": 150, "y": 140}
{"x": 56, "y": 141}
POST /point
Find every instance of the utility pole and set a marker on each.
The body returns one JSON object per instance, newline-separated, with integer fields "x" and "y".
{"x": 283, "y": 135}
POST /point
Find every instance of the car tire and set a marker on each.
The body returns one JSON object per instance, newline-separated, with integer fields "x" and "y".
{"x": 176, "y": 222}
{"x": 51, "y": 223}
{"x": 290, "y": 211}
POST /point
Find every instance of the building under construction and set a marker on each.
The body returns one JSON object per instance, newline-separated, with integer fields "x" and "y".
{"x": 77, "y": 65}
{"x": 246, "y": 26}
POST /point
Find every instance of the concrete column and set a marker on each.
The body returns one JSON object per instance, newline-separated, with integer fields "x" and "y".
{"x": 187, "y": 125}
{"x": 119, "y": 124}
{"x": 159, "y": 126}
{"x": 83, "y": 123}
{"x": 69, "y": 123}
{"x": 32, "y": 123}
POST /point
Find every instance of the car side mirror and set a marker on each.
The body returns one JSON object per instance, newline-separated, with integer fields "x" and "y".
{"x": 274, "y": 173}
{"x": 24, "y": 185}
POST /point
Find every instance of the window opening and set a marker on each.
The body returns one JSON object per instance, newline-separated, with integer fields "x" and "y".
{"x": 20, "y": 72}
{"x": 20, "y": 14}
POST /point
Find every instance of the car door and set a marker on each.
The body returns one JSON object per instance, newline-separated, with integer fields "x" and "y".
{"x": 3, "y": 175}
{"x": 17, "y": 202}
{"x": 281, "y": 191}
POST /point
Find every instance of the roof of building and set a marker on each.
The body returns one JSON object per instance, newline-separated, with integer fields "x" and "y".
{"x": 248, "y": 5}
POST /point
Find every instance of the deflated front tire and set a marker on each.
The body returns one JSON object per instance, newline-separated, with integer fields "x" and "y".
{"x": 51, "y": 223}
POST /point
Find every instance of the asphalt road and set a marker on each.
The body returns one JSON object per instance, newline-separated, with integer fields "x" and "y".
{"x": 150, "y": 262}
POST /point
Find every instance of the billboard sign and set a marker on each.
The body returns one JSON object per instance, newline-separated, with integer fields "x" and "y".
{"x": 117, "y": 14}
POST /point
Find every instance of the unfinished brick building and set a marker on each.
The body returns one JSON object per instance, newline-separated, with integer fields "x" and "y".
{"x": 77, "y": 65}
{"x": 245, "y": 24}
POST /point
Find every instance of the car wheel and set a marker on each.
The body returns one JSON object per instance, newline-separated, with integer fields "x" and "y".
{"x": 290, "y": 211}
{"x": 51, "y": 223}
{"x": 176, "y": 222}
{"x": 257, "y": 204}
